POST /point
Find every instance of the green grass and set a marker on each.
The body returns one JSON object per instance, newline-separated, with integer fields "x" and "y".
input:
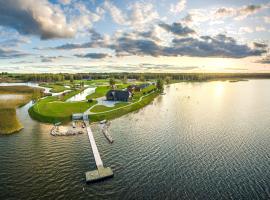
{"x": 122, "y": 111}
{"x": 99, "y": 92}
{"x": 102, "y": 108}
{"x": 138, "y": 95}
{"x": 50, "y": 110}
{"x": 56, "y": 88}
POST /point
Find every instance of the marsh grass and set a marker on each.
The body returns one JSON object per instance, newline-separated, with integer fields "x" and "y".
{"x": 9, "y": 123}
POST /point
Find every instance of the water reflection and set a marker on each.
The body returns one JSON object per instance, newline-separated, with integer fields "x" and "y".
{"x": 180, "y": 146}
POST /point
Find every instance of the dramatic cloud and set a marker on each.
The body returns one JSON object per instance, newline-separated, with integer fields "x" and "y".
{"x": 9, "y": 53}
{"x": 177, "y": 29}
{"x": 142, "y": 44}
{"x": 93, "y": 55}
{"x": 177, "y": 8}
{"x": 218, "y": 46}
{"x": 39, "y": 18}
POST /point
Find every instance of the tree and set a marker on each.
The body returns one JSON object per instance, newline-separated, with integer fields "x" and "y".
{"x": 112, "y": 82}
{"x": 142, "y": 77}
{"x": 167, "y": 79}
{"x": 71, "y": 78}
{"x": 125, "y": 79}
{"x": 160, "y": 85}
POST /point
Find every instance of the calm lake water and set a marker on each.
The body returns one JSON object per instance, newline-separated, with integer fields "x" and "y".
{"x": 199, "y": 141}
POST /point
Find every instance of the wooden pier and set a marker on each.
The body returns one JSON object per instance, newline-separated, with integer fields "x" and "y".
{"x": 101, "y": 172}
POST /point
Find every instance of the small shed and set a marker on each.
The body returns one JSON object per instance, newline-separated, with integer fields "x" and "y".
{"x": 77, "y": 116}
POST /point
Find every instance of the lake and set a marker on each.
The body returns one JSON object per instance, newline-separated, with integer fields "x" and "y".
{"x": 208, "y": 140}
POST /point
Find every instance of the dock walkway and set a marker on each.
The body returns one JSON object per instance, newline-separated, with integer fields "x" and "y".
{"x": 101, "y": 172}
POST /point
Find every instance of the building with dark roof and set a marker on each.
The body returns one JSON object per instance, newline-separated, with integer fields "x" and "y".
{"x": 117, "y": 95}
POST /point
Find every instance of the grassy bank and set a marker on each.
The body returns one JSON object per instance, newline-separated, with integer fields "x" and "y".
{"x": 9, "y": 122}
{"x": 122, "y": 111}
{"x": 52, "y": 110}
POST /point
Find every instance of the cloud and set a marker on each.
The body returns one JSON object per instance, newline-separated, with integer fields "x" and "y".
{"x": 266, "y": 20}
{"x": 10, "y": 53}
{"x": 239, "y": 13}
{"x": 93, "y": 55}
{"x": 218, "y": 46}
{"x": 117, "y": 15}
{"x": 31, "y": 17}
{"x": 64, "y": 2}
{"x": 260, "y": 45}
{"x": 15, "y": 42}
{"x": 177, "y": 29}
{"x": 46, "y": 59}
{"x": 265, "y": 60}
{"x": 146, "y": 44}
{"x": 139, "y": 14}
{"x": 177, "y": 8}
{"x": 260, "y": 28}
{"x": 142, "y": 14}
{"x": 235, "y": 69}
{"x": 196, "y": 16}
{"x": 245, "y": 29}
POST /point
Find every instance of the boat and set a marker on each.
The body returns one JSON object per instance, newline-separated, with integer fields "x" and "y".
{"x": 107, "y": 135}
{"x": 73, "y": 124}
{"x": 163, "y": 93}
{"x": 103, "y": 121}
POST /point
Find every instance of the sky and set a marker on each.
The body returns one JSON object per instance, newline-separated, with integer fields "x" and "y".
{"x": 71, "y": 36}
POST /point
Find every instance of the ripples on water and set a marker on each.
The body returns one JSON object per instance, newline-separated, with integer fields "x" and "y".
{"x": 199, "y": 141}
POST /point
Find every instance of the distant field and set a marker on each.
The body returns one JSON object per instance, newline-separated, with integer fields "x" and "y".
{"x": 56, "y": 88}
{"x": 18, "y": 89}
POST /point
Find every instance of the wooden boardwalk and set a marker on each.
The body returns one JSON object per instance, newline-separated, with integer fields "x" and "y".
{"x": 101, "y": 172}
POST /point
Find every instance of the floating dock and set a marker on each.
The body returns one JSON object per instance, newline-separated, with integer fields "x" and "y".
{"x": 101, "y": 172}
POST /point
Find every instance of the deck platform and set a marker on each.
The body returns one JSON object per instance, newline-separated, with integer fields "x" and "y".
{"x": 100, "y": 174}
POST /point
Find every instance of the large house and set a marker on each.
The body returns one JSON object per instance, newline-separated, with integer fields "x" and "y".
{"x": 137, "y": 88}
{"x": 117, "y": 95}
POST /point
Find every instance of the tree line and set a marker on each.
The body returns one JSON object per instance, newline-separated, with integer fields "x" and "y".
{"x": 47, "y": 77}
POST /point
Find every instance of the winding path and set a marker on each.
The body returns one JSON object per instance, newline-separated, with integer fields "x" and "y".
{"x": 87, "y": 112}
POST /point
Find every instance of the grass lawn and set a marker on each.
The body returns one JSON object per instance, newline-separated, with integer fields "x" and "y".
{"x": 102, "y": 108}
{"x": 55, "y": 87}
{"x": 51, "y": 110}
{"x": 122, "y": 111}
{"x": 99, "y": 92}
